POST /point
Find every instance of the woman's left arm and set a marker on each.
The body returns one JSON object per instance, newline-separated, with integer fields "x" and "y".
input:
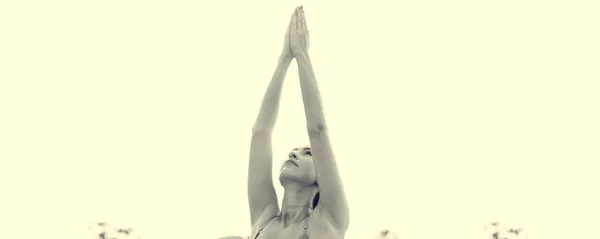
{"x": 332, "y": 199}
{"x": 332, "y": 196}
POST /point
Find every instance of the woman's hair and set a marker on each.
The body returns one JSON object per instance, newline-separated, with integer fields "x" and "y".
{"x": 315, "y": 200}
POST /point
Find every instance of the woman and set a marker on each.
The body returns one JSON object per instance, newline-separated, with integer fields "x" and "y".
{"x": 314, "y": 203}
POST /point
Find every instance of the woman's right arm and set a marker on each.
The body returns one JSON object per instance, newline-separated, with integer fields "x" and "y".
{"x": 262, "y": 197}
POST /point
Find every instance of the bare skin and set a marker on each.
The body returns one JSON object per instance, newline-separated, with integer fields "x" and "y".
{"x": 307, "y": 170}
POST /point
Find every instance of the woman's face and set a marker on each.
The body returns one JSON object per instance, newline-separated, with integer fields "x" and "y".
{"x": 299, "y": 167}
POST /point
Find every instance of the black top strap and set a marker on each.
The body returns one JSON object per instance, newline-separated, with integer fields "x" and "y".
{"x": 263, "y": 226}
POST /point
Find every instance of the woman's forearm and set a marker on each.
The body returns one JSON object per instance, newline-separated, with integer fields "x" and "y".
{"x": 313, "y": 106}
{"x": 267, "y": 115}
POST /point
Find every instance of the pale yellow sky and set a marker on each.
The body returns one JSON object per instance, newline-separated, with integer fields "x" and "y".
{"x": 444, "y": 114}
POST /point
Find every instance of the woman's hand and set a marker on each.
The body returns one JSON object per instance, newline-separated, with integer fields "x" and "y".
{"x": 299, "y": 40}
{"x": 287, "y": 49}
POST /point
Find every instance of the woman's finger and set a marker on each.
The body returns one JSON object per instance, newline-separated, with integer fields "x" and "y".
{"x": 304, "y": 26}
{"x": 298, "y": 19}
{"x": 290, "y": 23}
{"x": 293, "y": 22}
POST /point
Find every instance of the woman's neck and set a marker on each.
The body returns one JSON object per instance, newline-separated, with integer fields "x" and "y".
{"x": 296, "y": 204}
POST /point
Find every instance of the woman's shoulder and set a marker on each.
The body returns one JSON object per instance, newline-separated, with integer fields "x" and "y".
{"x": 261, "y": 223}
{"x": 320, "y": 223}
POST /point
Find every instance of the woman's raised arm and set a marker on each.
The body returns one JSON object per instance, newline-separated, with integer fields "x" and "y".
{"x": 262, "y": 197}
{"x": 332, "y": 201}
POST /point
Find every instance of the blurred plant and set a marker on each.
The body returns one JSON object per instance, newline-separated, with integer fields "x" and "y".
{"x": 104, "y": 231}
{"x": 386, "y": 234}
{"x": 501, "y": 231}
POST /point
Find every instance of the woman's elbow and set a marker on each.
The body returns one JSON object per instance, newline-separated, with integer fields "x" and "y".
{"x": 261, "y": 131}
{"x": 317, "y": 129}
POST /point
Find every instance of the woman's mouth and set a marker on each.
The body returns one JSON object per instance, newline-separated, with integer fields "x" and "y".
{"x": 290, "y": 162}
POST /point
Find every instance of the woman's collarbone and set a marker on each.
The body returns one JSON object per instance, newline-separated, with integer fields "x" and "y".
{"x": 278, "y": 230}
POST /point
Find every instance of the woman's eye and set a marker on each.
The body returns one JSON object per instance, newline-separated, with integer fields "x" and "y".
{"x": 309, "y": 153}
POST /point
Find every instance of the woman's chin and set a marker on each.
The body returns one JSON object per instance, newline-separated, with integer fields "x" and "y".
{"x": 286, "y": 177}
{"x": 285, "y": 174}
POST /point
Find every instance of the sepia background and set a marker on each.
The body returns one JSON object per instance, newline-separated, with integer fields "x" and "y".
{"x": 444, "y": 115}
